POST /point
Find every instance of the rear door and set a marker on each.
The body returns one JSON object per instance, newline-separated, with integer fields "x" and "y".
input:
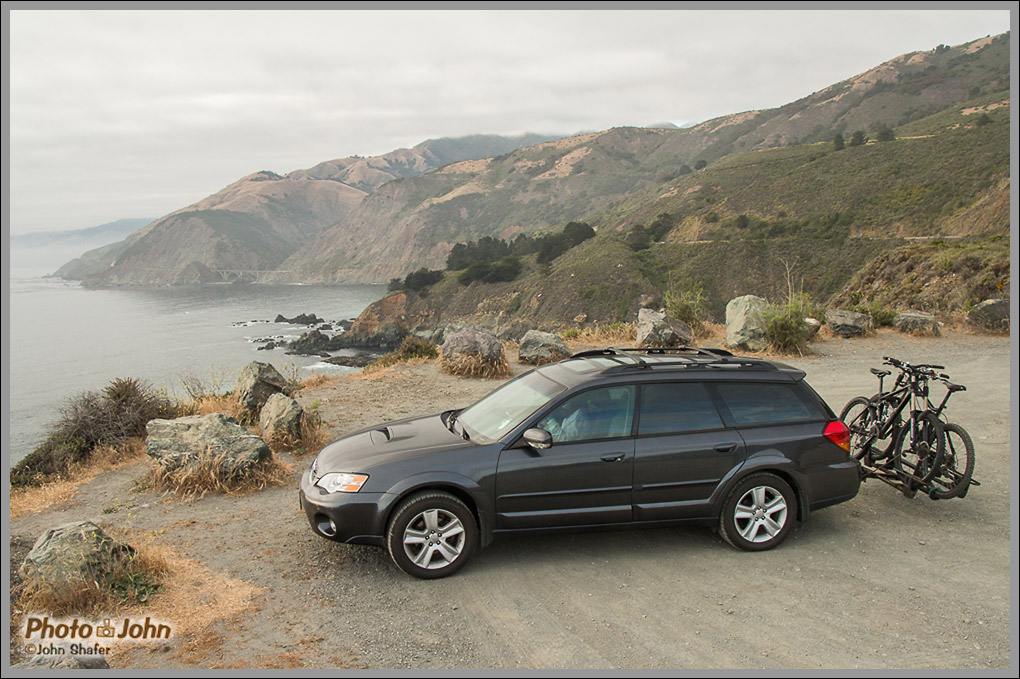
{"x": 682, "y": 453}
{"x": 584, "y": 477}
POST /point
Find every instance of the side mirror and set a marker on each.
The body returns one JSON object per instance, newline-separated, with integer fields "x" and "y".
{"x": 539, "y": 439}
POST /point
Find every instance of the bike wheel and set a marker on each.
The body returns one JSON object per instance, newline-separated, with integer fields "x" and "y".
{"x": 957, "y": 464}
{"x": 861, "y": 418}
{"x": 920, "y": 446}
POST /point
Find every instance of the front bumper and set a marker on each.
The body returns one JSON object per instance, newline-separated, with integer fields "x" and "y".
{"x": 356, "y": 518}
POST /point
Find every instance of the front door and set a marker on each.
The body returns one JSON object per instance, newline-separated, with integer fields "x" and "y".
{"x": 584, "y": 477}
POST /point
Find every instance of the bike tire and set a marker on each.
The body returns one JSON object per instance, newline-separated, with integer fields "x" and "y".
{"x": 861, "y": 418}
{"x": 920, "y": 460}
{"x": 957, "y": 466}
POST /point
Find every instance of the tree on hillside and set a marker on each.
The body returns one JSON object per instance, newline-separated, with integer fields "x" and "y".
{"x": 838, "y": 142}
{"x": 700, "y": 165}
{"x": 858, "y": 138}
{"x": 885, "y": 133}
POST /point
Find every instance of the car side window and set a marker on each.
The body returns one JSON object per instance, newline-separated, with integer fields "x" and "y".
{"x": 676, "y": 407}
{"x": 757, "y": 403}
{"x": 607, "y": 412}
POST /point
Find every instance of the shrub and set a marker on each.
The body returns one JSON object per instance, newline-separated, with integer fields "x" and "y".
{"x": 785, "y": 329}
{"x": 422, "y": 278}
{"x": 686, "y": 303}
{"x": 473, "y": 365}
{"x": 410, "y": 347}
{"x": 879, "y": 314}
{"x": 117, "y": 413}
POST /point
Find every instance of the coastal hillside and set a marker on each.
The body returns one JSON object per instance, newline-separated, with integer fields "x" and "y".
{"x": 41, "y": 253}
{"x": 415, "y": 222}
{"x": 810, "y": 217}
{"x": 255, "y": 223}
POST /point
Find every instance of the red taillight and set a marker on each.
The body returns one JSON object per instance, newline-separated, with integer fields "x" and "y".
{"x": 838, "y": 433}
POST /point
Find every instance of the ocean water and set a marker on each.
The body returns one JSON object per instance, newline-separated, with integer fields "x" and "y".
{"x": 64, "y": 339}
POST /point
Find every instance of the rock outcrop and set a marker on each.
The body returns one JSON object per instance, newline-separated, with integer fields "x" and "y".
{"x": 848, "y": 324}
{"x": 745, "y": 324}
{"x": 257, "y": 382}
{"x": 916, "y": 323}
{"x": 280, "y": 419}
{"x": 991, "y": 314}
{"x": 539, "y": 347}
{"x": 473, "y": 352}
{"x": 202, "y": 439}
{"x": 74, "y": 553}
{"x": 656, "y": 329}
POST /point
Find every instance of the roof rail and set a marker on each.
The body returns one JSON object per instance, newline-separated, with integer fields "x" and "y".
{"x": 721, "y": 358}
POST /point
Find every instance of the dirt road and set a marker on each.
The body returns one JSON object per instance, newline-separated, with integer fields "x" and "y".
{"x": 878, "y": 582}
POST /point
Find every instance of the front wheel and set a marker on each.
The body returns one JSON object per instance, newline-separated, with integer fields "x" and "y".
{"x": 758, "y": 513}
{"x": 432, "y": 535}
{"x": 957, "y": 464}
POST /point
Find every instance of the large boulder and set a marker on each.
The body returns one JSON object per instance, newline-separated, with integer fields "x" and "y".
{"x": 916, "y": 323}
{"x": 745, "y": 323}
{"x": 257, "y": 382}
{"x": 991, "y": 314}
{"x": 539, "y": 347}
{"x": 848, "y": 324}
{"x": 280, "y": 419}
{"x": 187, "y": 441}
{"x": 74, "y": 553}
{"x": 473, "y": 352}
{"x": 656, "y": 329}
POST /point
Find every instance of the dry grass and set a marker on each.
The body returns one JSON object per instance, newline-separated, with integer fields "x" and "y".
{"x": 228, "y": 404}
{"x": 619, "y": 334}
{"x": 193, "y": 481}
{"x": 106, "y": 458}
{"x": 318, "y": 381}
{"x": 375, "y": 371}
{"x": 473, "y": 365}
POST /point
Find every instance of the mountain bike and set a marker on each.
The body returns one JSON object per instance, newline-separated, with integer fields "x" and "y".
{"x": 904, "y": 450}
{"x": 956, "y": 474}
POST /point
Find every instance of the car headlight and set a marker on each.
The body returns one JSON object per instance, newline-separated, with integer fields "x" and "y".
{"x": 341, "y": 482}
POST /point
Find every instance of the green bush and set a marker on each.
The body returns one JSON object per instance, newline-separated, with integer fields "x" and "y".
{"x": 118, "y": 412}
{"x": 410, "y": 347}
{"x": 686, "y": 303}
{"x": 785, "y": 329}
{"x": 880, "y": 314}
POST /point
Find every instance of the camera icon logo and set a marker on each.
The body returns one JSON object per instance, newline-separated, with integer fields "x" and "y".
{"x": 106, "y": 629}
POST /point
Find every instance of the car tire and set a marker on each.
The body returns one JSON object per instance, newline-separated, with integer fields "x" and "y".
{"x": 759, "y": 513}
{"x": 432, "y": 535}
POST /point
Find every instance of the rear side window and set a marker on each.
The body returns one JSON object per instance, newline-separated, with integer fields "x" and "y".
{"x": 764, "y": 403}
{"x": 676, "y": 407}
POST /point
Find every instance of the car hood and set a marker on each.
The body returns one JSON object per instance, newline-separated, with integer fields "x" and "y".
{"x": 401, "y": 440}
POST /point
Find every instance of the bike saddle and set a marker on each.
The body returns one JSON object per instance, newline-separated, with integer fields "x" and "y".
{"x": 955, "y": 387}
{"x": 879, "y": 373}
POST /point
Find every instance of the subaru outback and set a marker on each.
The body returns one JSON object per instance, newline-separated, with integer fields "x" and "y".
{"x": 605, "y": 438}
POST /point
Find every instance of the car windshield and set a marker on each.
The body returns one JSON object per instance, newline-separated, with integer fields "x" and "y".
{"x": 508, "y": 406}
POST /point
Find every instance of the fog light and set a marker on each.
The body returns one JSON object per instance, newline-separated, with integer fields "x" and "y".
{"x": 325, "y": 525}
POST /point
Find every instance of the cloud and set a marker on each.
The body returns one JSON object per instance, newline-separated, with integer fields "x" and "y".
{"x": 137, "y": 113}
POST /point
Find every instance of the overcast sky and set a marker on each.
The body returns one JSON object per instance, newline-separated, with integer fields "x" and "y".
{"x": 119, "y": 114}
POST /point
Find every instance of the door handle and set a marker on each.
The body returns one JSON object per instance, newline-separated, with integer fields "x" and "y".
{"x": 725, "y": 447}
{"x": 612, "y": 457}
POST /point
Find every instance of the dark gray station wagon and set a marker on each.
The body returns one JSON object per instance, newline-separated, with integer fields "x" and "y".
{"x": 613, "y": 438}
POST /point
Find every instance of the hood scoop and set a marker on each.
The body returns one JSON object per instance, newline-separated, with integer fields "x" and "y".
{"x": 381, "y": 435}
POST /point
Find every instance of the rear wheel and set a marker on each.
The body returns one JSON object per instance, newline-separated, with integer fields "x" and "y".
{"x": 957, "y": 464}
{"x": 861, "y": 418}
{"x": 758, "y": 513}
